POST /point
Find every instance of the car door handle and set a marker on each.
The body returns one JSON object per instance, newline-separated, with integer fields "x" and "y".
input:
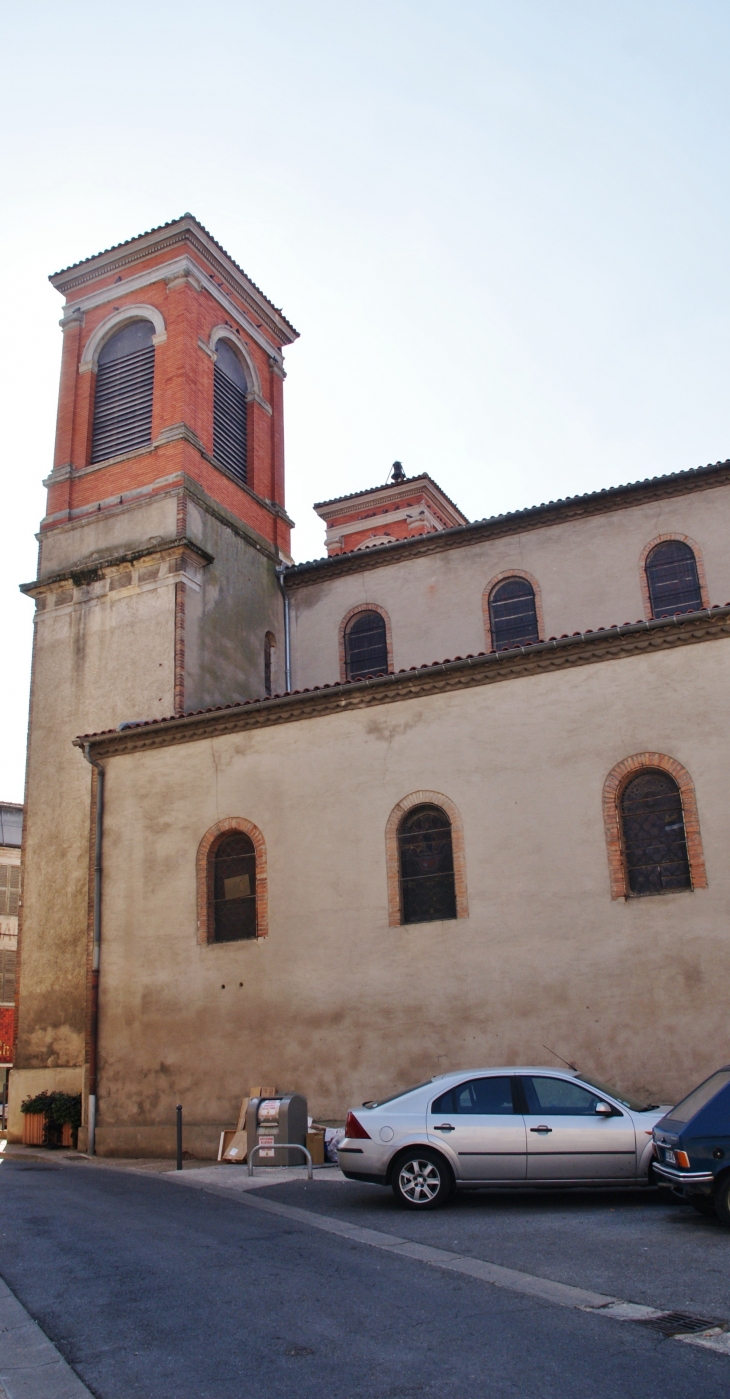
{"x": 541, "y": 1129}
{"x": 442, "y": 1127}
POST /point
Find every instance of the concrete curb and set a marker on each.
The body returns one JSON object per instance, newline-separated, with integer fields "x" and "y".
{"x": 30, "y": 1365}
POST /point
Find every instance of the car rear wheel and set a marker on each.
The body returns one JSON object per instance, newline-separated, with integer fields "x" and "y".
{"x": 721, "y": 1199}
{"x": 421, "y": 1179}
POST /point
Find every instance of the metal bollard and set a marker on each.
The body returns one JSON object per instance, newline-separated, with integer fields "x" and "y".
{"x": 178, "y": 1110}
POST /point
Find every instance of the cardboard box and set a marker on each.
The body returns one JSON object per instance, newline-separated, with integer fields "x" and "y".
{"x": 236, "y": 1149}
{"x": 315, "y": 1147}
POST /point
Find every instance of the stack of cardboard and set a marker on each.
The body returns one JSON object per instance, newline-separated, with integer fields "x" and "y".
{"x": 233, "y": 1143}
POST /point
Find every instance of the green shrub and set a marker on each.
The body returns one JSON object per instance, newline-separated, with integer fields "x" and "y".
{"x": 57, "y": 1108}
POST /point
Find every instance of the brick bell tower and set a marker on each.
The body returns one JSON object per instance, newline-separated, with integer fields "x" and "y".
{"x": 156, "y": 590}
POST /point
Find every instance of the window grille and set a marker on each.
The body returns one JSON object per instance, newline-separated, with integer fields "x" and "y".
{"x": 269, "y": 650}
{"x": 123, "y": 397}
{"x": 9, "y": 890}
{"x": 655, "y": 847}
{"x": 426, "y": 856}
{"x": 234, "y": 888}
{"x": 674, "y": 584}
{"x": 230, "y": 411}
{"x": 366, "y": 646}
{"x": 512, "y": 614}
{"x": 7, "y": 978}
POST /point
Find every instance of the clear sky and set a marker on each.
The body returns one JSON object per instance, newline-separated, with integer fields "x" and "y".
{"x": 501, "y": 228}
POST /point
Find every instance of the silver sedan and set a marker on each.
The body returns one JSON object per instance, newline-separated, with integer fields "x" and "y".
{"x": 514, "y": 1127}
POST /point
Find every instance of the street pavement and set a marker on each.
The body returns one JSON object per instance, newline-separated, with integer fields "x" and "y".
{"x": 181, "y": 1286}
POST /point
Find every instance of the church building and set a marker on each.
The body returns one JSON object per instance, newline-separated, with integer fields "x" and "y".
{"x": 453, "y": 795}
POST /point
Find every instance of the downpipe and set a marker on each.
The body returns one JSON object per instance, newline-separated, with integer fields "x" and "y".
{"x": 96, "y": 948}
{"x": 281, "y": 570}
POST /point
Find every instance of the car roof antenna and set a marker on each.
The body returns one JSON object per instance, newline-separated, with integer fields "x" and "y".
{"x": 560, "y": 1057}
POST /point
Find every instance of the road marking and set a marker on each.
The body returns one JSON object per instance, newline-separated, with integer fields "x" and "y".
{"x": 545, "y": 1289}
{"x": 30, "y": 1365}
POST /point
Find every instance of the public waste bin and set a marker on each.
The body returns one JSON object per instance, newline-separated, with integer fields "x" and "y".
{"x": 273, "y": 1120}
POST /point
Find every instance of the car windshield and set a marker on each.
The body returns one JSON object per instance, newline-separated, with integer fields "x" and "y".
{"x": 635, "y": 1104}
{"x": 402, "y": 1094}
{"x": 689, "y": 1106}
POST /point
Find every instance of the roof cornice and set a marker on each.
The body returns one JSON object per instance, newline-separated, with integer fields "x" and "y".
{"x": 163, "y": 239}
{"x": 554, "y": 512}
{"x": 584, "y": 648}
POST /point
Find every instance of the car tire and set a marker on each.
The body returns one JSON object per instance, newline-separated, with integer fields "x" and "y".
{"x": 421, "y": 1179}
{"x": 721, "y": 1199}
{"x": 703, "y": 1204}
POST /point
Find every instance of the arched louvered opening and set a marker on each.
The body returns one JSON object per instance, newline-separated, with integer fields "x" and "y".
{"x": 230, "y": 411}
{"x": 673, "y": 579}
{"x": 426, "y": 859}
{"x": 123, "y": 396}
{"x": 512, "y": 614}
{"x": 654, "y": 841}
{"x": 366, "y": 646}
{"x": 269, "y": 658}
{"x": 234, "y": 888}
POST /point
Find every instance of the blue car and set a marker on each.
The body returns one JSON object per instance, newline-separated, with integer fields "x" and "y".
{"x": 692, "y": 1145}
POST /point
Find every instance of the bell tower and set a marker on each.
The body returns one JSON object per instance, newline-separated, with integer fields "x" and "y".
{"x": 156, "y": 590}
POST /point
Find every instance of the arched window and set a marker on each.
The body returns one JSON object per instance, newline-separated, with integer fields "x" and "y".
{"x": 672, "y": 578}
{"x": 366, "y": 646}
{"x": 234, "y": 888}
{"x": 269, "y": 657}
{"x": 123, "y": 396}
{"x": 426, "y": 862}
{"x": 229, "y": 411}
{"x": 512, "y": 614}
{"x": 654, "y": 841}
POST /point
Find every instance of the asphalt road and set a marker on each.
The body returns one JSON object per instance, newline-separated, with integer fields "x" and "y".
{"x": 156, "y": 1289}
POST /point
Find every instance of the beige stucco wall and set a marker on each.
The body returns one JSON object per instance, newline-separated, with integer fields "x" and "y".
{"x": 587, "y": 570}
{"x": 342, "y": 1007}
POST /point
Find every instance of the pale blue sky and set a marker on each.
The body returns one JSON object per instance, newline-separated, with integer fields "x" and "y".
{"x": 501, "y": 229}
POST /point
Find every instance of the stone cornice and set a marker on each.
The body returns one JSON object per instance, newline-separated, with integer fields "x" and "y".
{"x": 585, "y": 648}
{"x": 88, "y": 570}
{"x": 555, "y": 512}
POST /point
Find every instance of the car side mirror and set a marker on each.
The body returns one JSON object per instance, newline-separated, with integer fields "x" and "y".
{"x": 603, "y": 1110}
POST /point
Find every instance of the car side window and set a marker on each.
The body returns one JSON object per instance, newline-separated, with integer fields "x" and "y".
{"x": 559, "y": 1097}
{"x": 479, "y": 1096}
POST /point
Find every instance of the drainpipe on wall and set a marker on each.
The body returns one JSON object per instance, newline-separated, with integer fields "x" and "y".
{"x": 94, "y": 1017}
{"x": 281, "y": 570}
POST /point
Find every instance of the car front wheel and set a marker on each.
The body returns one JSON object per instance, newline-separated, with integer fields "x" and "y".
{"x": 422, "y": 1180}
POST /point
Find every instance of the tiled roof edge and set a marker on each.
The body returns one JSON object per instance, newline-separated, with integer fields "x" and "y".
{"x": 608, "y": 497}
{"x": 605, "y": 643}
{"x": 127, "y": 242}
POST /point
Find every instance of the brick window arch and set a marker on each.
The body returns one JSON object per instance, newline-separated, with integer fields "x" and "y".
{"x": 537, "y": 627}
{"x": 206, "y": 871}
{"x": 677, "y": 583}
{"x": 345, "y": 625}
{"x": 395, "y": 824}
{"x": 617, "y": 817}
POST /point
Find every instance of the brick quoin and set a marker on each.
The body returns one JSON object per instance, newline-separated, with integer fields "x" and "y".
{"x": 204, "y": 875}
{"x": 612, "y": 792}
{"x": 392, "y": 857}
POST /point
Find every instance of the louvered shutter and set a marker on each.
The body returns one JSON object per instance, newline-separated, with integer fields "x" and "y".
{"x": 9, "y": 890}
{"x": 229, "y": 411}
{"x": 7, "y": 978}
{"x": 123, "y": 399}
